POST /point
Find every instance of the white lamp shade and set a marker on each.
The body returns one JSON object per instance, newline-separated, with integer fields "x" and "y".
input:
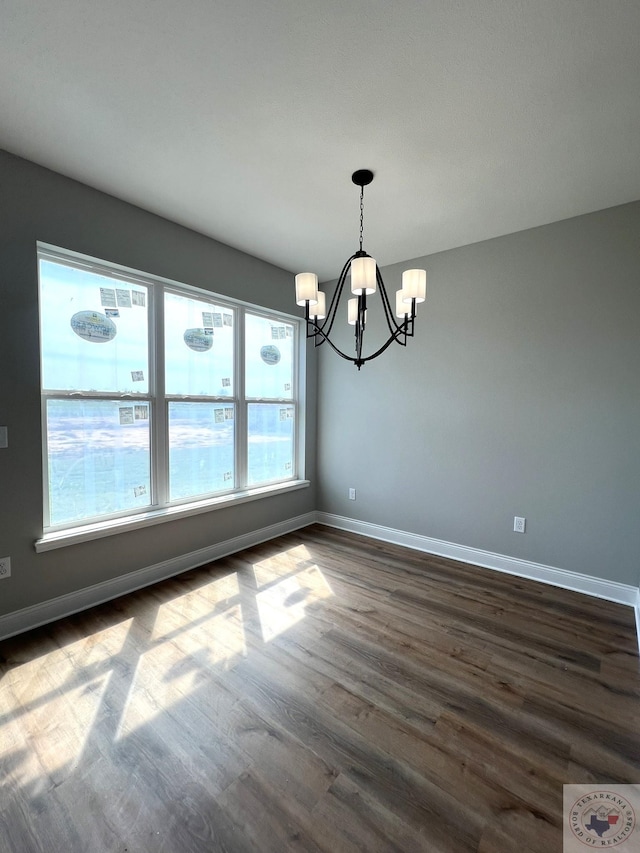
{"x": 414, "y": 285}
{"x": 363, "y": 276}
{"x": 319, "y": 310}
{"x": 306, "y": 288}
{"x": 402, "y": 307}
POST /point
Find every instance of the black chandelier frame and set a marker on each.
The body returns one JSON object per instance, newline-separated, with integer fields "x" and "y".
{"x": 399, "y": 332}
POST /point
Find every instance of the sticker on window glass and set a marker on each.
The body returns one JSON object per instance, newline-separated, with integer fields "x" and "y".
{"x": 217, "y": 320}
{"x": 124, "y": 297}
{"x": 270, "y": 354}
{"x": 139, "y": 490}
{"x": 108, "y": 297}
{"x": 278, "y": 333}
{"x": 289, "y": 331}
{"x": 218, "y": 415}
{"x": 226, "y": 382}
{"x": 198, "y": 340}
{"x": 287, "y": 466}
{"x": 138, "y": 298}
{"x": 141, "y": 413}
{"x": 137, "y": 375}
{"x": 228, "y": 414}
{"x": 287, "y": 386}
{"x": 227, "y": 319}
{"x": 126, "y": 415}
{"x": 93, "y": 326}
{"x": 207, "y": 319}
{"x": 286, "y": 414}
{"x": 227, "y": 476}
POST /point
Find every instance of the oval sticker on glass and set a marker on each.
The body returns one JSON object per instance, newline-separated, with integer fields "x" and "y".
{"x": 199, "y": 340}
{"x": 93, "y": 326}
{"x": 270, "y": 354}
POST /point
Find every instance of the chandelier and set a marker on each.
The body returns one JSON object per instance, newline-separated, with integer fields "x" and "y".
{"x": 365, "y": 281}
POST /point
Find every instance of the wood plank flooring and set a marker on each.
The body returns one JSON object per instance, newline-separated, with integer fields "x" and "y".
{"x": 319, "y": 692}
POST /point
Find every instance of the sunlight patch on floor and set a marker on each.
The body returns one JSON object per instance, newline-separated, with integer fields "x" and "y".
{"x": 172, "y": 669}
{"x": 138, "y": 671}
{"x": 285, "y": 563}
{"x": 182, "y": 611}
{"x": 62, "y": 727}
{"x": 284, "y": 604}
{"x": 50, "y": 706}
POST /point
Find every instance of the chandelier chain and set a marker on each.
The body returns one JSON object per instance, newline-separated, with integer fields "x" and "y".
{"x": 361, "y": 214}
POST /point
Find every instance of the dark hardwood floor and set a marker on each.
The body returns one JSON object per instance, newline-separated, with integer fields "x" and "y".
{"x": 320, "y": 692}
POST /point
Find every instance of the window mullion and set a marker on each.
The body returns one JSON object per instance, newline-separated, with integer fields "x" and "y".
{"x": 241, "y": 403}
{"x": 159, "y": 447}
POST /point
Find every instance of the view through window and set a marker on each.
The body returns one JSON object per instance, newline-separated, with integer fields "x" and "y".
{"x": 156, "y": 394}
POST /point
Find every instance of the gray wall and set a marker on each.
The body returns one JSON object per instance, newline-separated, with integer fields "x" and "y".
{"x": 36, "y": 204}
{"x": 520, "y": 395}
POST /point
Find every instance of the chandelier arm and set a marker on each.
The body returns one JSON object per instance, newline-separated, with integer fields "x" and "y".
{"x": 403, "y": 329}
{"x": 409, "y": 319}
{"x": 315, "y": 331}
{"x": 311, "y": 324}
{"x": 328, "y": 340}
{"x": 393, "y": 337}
{"x": 388, "y": 311}
{"x": 335, "y": 301}
{"x": 360, "y": 325}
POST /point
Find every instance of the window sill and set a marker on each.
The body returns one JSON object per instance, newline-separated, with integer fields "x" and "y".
{"x": 100, "y": 529}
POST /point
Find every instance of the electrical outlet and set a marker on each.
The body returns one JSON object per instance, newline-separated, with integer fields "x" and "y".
{"x": 352, "y": 494}
{"x": 5, "y": 567}
{"x": 519, "y": 524}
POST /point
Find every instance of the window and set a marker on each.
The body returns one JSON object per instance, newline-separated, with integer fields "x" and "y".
{"x": 157, "y": 395}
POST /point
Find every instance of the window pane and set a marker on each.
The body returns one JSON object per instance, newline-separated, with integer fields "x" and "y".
{"x": 98, "y": 458}
{"x": 201, "y": 449}
{"x": 198, "y": 347}
{"x": 270, "y": 442}
{"x": 269, "y": 358}
{"x": 94, "y": 331}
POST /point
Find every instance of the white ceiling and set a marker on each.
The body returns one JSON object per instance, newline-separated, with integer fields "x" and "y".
{"x": 243, "y": 119}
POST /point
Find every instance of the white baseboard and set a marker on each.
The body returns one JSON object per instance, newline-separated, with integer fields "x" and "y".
{"x": 82, "y": 599}
{"x": 74, "y": 602}
{"x": 611, "y": 590}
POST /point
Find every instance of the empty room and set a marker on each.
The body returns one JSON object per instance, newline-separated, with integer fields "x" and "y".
{"x": 319, "y": 426}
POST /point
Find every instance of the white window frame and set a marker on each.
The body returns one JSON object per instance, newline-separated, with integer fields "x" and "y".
{"x": 162, "y": 509}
